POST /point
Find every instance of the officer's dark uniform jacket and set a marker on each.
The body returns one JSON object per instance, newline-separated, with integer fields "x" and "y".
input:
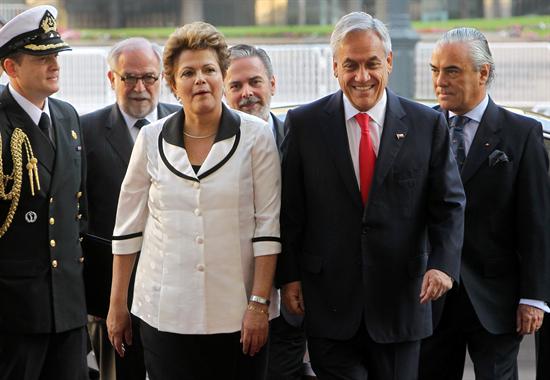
{"x": 41, "y": 283}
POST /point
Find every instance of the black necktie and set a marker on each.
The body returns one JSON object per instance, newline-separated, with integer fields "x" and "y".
{"x": 457, "y": 143}
{"x": 140, "y": 123}
{"x": 46, "y": 126}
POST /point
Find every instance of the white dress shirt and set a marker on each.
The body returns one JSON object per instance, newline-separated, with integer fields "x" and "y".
{"x": 199, "y": 232}
{"x": 33, "y": 111}
{"x": 377, "y": 115}
{"x": 131, "y": 121}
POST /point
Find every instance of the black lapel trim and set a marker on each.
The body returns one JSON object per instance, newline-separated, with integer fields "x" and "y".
{"x": 226, "y": 158}
{"x": 172, "y": 133}
{"x": 266, "y": 238}
{"x": 165, "y": 160}
{"x": 129, "y": 236}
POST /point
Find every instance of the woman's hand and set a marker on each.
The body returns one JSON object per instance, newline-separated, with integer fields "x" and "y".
{"x": 119, "y": 328}
{"x": 255, "y": 328}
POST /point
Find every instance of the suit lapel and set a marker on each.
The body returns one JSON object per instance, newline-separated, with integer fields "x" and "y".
{"x": 118, "y": 135}
{"x": 484, "y": 143}
{"x": 41, "y": 146}
{"x": 389, "y": 143}
{"x": 333, "y": 129}
{"x": 63, "y": 136}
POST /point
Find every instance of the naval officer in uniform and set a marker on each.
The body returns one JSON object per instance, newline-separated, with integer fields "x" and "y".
{"x": 42, "y": 303}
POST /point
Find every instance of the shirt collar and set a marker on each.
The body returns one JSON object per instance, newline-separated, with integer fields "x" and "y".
{"x": 377, "y": 113}
{"x": 477, "y": 112}
{"x": 130, "y": 120}
{"x": 33, "y": 111}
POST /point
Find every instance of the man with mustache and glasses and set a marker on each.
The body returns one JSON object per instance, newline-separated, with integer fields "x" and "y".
{"x": 249, "y": 86}
{"x": 109, "y": 133}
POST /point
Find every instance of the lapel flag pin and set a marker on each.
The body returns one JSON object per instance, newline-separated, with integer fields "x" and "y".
{"x": 73, "y": 133}
{"x": 400, "y": 136}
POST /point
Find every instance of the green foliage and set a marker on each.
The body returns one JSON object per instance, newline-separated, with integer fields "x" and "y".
{"x": 539, "y": 25}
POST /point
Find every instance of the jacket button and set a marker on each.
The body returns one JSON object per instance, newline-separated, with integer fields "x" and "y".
{"x": 78, "y": 216}
{"x": 54, "y": 263}
{"x": 52, "y": 221}
{"x": 200, "y": 268}
{"x": 196, "y": 185}
{"x": 80, "y": 239}
{"x": 197, "y": 212}
{"x": 81, "y": 259}
{"x": 51, "y": 200}
{"x": 52, "y": 243}
{"x": 78, "y": 195}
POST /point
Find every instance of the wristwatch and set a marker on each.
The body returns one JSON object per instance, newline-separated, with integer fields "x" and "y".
{"x": 258, "y": 299}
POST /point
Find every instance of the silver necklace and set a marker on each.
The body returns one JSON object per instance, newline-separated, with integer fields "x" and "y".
{"x": 198, "y": 137}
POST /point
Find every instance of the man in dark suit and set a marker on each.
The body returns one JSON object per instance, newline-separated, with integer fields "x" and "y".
{"x": 504, "y": 282}
{"x": 249, "y": 85}
{"x": 42, "y": 302}
{"x": 109, "y": 134}
{"x": 372, "y": 215}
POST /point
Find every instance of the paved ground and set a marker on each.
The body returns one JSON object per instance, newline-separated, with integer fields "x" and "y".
{"x": 526, "y": 360}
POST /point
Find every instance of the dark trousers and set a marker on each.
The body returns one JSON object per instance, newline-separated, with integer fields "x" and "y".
{"x": 56, "y": 356}
{"x": 442, "y": 356}
{"x": 111, "y": 365}
{"x": 542, "y": 341}
{"x": 360, "y": 358}
{"x": 171, "y": 356}
{"x": 287, "y": 346}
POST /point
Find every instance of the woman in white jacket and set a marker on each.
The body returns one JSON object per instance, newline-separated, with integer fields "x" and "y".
{"x": 200, "y": 200}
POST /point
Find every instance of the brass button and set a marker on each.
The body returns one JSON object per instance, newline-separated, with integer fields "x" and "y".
{"x": 51, "y": 200}
{"x": 81, "y": 259}
{"x": 79, "y": 194}
{"x": 78, "y": 216}
{"x": 54, "y": 263}
{"x": 52, "y": 221}
{"x": 80, "y": 239}
{"x": 52, "y": 243}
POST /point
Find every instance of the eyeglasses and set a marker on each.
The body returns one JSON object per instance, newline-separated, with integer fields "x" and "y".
{"x": 131, "y": 80}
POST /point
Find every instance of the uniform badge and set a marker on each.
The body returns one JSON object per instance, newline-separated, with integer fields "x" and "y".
{"x": 73, "y": 133}
{"x": 30, "y": 217}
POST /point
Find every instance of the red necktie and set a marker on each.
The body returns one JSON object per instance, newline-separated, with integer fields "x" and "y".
{"x": 367, "y": 158}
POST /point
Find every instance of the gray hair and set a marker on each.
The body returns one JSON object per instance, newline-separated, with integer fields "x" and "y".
{"x": 244, "y": 50}
{"x": 477, "y": 44}
{"x": 134, "y": 43}
{"x": 359, "y": 21}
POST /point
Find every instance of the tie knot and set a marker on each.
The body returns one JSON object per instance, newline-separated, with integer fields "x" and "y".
{"x": 44, "y": 123}
{"x": 140, "y": 123}
{"x": 363, "y": 121}
{"x": 459, "y": 121}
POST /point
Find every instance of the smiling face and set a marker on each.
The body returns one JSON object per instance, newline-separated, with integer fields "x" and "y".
{"x": 362, "y": 68}
{"x": 34, "y": 76}
{"x": 248, "y": 87}
{"x": 459, "y": 87}
{"x": 198, "y": 81}
{"x": 139, "y": 100}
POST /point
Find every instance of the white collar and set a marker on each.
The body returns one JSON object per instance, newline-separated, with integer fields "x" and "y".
{"x": 33, "y": 111}
{"x": 130, "y": 120}
{"x": 377, "y": 113}
{"x": 477, "y": 112}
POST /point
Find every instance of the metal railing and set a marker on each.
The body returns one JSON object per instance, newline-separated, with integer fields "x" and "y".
{"x": 304, "y": 73}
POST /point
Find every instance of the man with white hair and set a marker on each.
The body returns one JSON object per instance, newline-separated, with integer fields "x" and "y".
{"x": 135, "y": 76}
{"x": 504, "y": 283}
{"x": 371, "y": 215}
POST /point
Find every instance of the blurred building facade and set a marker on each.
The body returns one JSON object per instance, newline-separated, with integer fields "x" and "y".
{"x": 145, "y": 13}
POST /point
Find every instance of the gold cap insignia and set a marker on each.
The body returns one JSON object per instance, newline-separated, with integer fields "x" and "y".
{"x": 48, "y": 23}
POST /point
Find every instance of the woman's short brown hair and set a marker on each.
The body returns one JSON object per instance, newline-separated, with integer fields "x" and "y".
{"x": 194, "y": 36}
